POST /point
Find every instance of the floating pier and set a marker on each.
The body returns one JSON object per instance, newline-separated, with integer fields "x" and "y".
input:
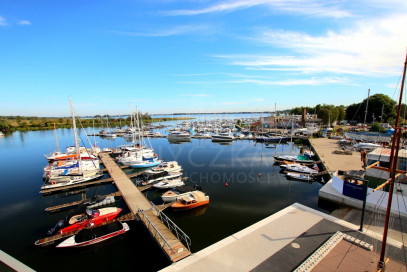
{"x": 147, "y": 213}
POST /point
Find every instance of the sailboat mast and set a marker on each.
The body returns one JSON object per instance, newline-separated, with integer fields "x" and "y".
{"x": 56, "y": 139}
{"x": 367, "y": 104}
{"x": 393, "y": 167}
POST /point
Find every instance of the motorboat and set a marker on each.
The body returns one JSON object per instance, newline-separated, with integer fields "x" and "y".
{"x": 93, "y": 235}
{"x": 223, "y": 137}
{"x": 296, "y": 167}
{"x": 74, "y": 177}
{"x": 179, "y": 136}
{"x": 176, "y": 193}
{"x": 169, "y": 183}
{"x": 299, "y": 176}
{"x": 150, "y": 178}
{"x": 82, "y": 217}
{"x": 366, "y": 146}
{"x": 297, "y": 159}
{"x": 190, "y": 201}
{"x": 272, "y": 139}
{"x": 171, "y": 166}
{"x": 146, "y": 163}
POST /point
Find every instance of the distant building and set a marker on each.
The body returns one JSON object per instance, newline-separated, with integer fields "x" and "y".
{"x": 290, "y": 121}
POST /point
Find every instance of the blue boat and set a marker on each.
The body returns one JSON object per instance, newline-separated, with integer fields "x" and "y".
{"x": 146, "y": 163}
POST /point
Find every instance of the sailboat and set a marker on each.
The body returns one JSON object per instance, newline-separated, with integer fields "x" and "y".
{"x": 74, "y": 171}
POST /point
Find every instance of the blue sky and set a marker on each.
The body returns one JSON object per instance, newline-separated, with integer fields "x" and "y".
{"x": 196, "y": 56}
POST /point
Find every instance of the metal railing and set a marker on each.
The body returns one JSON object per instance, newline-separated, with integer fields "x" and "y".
{"x": 182, "y": 237}
{"x": 152, "y": 228}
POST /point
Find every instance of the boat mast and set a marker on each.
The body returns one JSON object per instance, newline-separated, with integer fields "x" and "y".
{"x": 367, "y": 104}
{"x": 74, "y": 132}
{"x": 56, "y": 138}
{"x": 393, "y": 165}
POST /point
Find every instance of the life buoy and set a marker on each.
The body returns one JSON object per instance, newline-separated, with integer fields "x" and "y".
{"x": 53, "y": 182}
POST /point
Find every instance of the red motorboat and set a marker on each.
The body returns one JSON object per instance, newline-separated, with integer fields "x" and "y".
{"x": 80, "y": 218}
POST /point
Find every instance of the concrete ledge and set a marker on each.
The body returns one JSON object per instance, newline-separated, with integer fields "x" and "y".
{"x": 13, "y": 263}
{"x": 375, "y": 202}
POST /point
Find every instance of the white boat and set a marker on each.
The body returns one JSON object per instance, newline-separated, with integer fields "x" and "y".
{"x": 366, "y": 146}
{"x": 67, "y": 180}
{"x": 171, "y": 166}
{"x": 169, "y": 183}
{"x": 300, "y": 176}
{"x": 179, "y": 136}
{"x": 223, "y": 137}
{"x": 295, "y": 167}
{"x": 95, "y": 235}
{"x": 150, "y": 178}
{"x": 1, "y": 134}
{"x": 82, "y": 171}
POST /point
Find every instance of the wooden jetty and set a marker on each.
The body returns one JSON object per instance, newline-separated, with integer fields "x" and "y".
{"x": 52, "y": 239}
{"x": 86, "y": 184}
{"x": 145, "y": 211}
{"x": 71, "y": 204}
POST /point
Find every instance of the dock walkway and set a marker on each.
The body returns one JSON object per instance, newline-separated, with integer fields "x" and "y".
{"x": 141, "y": 207}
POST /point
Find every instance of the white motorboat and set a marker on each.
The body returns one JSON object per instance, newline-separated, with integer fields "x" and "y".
{"x": 67, "y": 180}
{"x": 295, "y": 167}
{"x": 150, "y": 178}
{"x": 171, "y": 166}
{"x": 169, "y": 183}
{"x": 95, "y": 235}
{"x": 179, "y": 136}
{"x": 366, "y": 146}
{"x": 300, "y": 176}
{"x": 223, "y": 137}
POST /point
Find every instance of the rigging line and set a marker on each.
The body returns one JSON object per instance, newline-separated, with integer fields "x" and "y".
{"x": 350, "y": 246}
{"x": 401, "y": 226}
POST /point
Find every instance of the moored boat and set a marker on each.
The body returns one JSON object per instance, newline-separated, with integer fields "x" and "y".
{"x": 174, "y": 194}
{"x": 223, "y": 137}
{"x": 295, "y": 167}
{"x": 92, "y": 236}
{"x": 190, "y": 201}
{"x": 82, "y": 217}
{"x": 169, "y": 183}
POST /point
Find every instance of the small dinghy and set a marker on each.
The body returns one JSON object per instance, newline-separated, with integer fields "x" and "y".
{"x": 92, "y": 236}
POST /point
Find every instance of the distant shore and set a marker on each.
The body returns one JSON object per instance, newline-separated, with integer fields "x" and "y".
{"x": 19, "y": 123}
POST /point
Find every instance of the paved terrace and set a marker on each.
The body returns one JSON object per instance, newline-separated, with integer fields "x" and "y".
{"x": 280, "y": 242}
{"x": 325, "y": 148}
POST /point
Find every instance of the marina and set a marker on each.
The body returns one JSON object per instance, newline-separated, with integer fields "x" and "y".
{"x": 210, "y": 174}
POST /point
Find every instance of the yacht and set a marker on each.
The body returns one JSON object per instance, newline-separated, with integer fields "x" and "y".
{"x": 179, "y": 135}
{"x": 223, "y": 137}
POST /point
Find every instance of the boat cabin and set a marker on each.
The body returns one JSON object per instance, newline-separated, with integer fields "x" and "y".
{"x": 383, "y": 156}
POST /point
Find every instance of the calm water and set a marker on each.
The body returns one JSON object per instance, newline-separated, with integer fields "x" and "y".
{"x": 244, "y": 202}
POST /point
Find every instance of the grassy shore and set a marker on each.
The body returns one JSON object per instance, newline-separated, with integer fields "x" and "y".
{"x": 13, "y": 123}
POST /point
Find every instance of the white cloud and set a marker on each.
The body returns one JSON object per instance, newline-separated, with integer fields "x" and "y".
{"x": 164, "y": 32}
{"x": 24, "y": 22}
{"x": 373, "y": 47}
{"x": 311, "y": 7}
{"x": 3, "y": 21}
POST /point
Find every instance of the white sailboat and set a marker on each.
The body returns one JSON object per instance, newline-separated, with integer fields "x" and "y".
{"x": 78, "y": 171}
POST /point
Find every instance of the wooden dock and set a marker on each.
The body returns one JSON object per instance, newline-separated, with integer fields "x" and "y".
{"x": 86, "y": 184}
{"x": 71, "y": 204}
{"x": 144, "y": 210}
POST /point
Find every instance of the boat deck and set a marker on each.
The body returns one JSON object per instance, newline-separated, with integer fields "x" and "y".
{"x": 141, "y": 207}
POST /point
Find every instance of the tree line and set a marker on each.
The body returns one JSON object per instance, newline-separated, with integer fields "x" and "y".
{"x": 381, "y": 108}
